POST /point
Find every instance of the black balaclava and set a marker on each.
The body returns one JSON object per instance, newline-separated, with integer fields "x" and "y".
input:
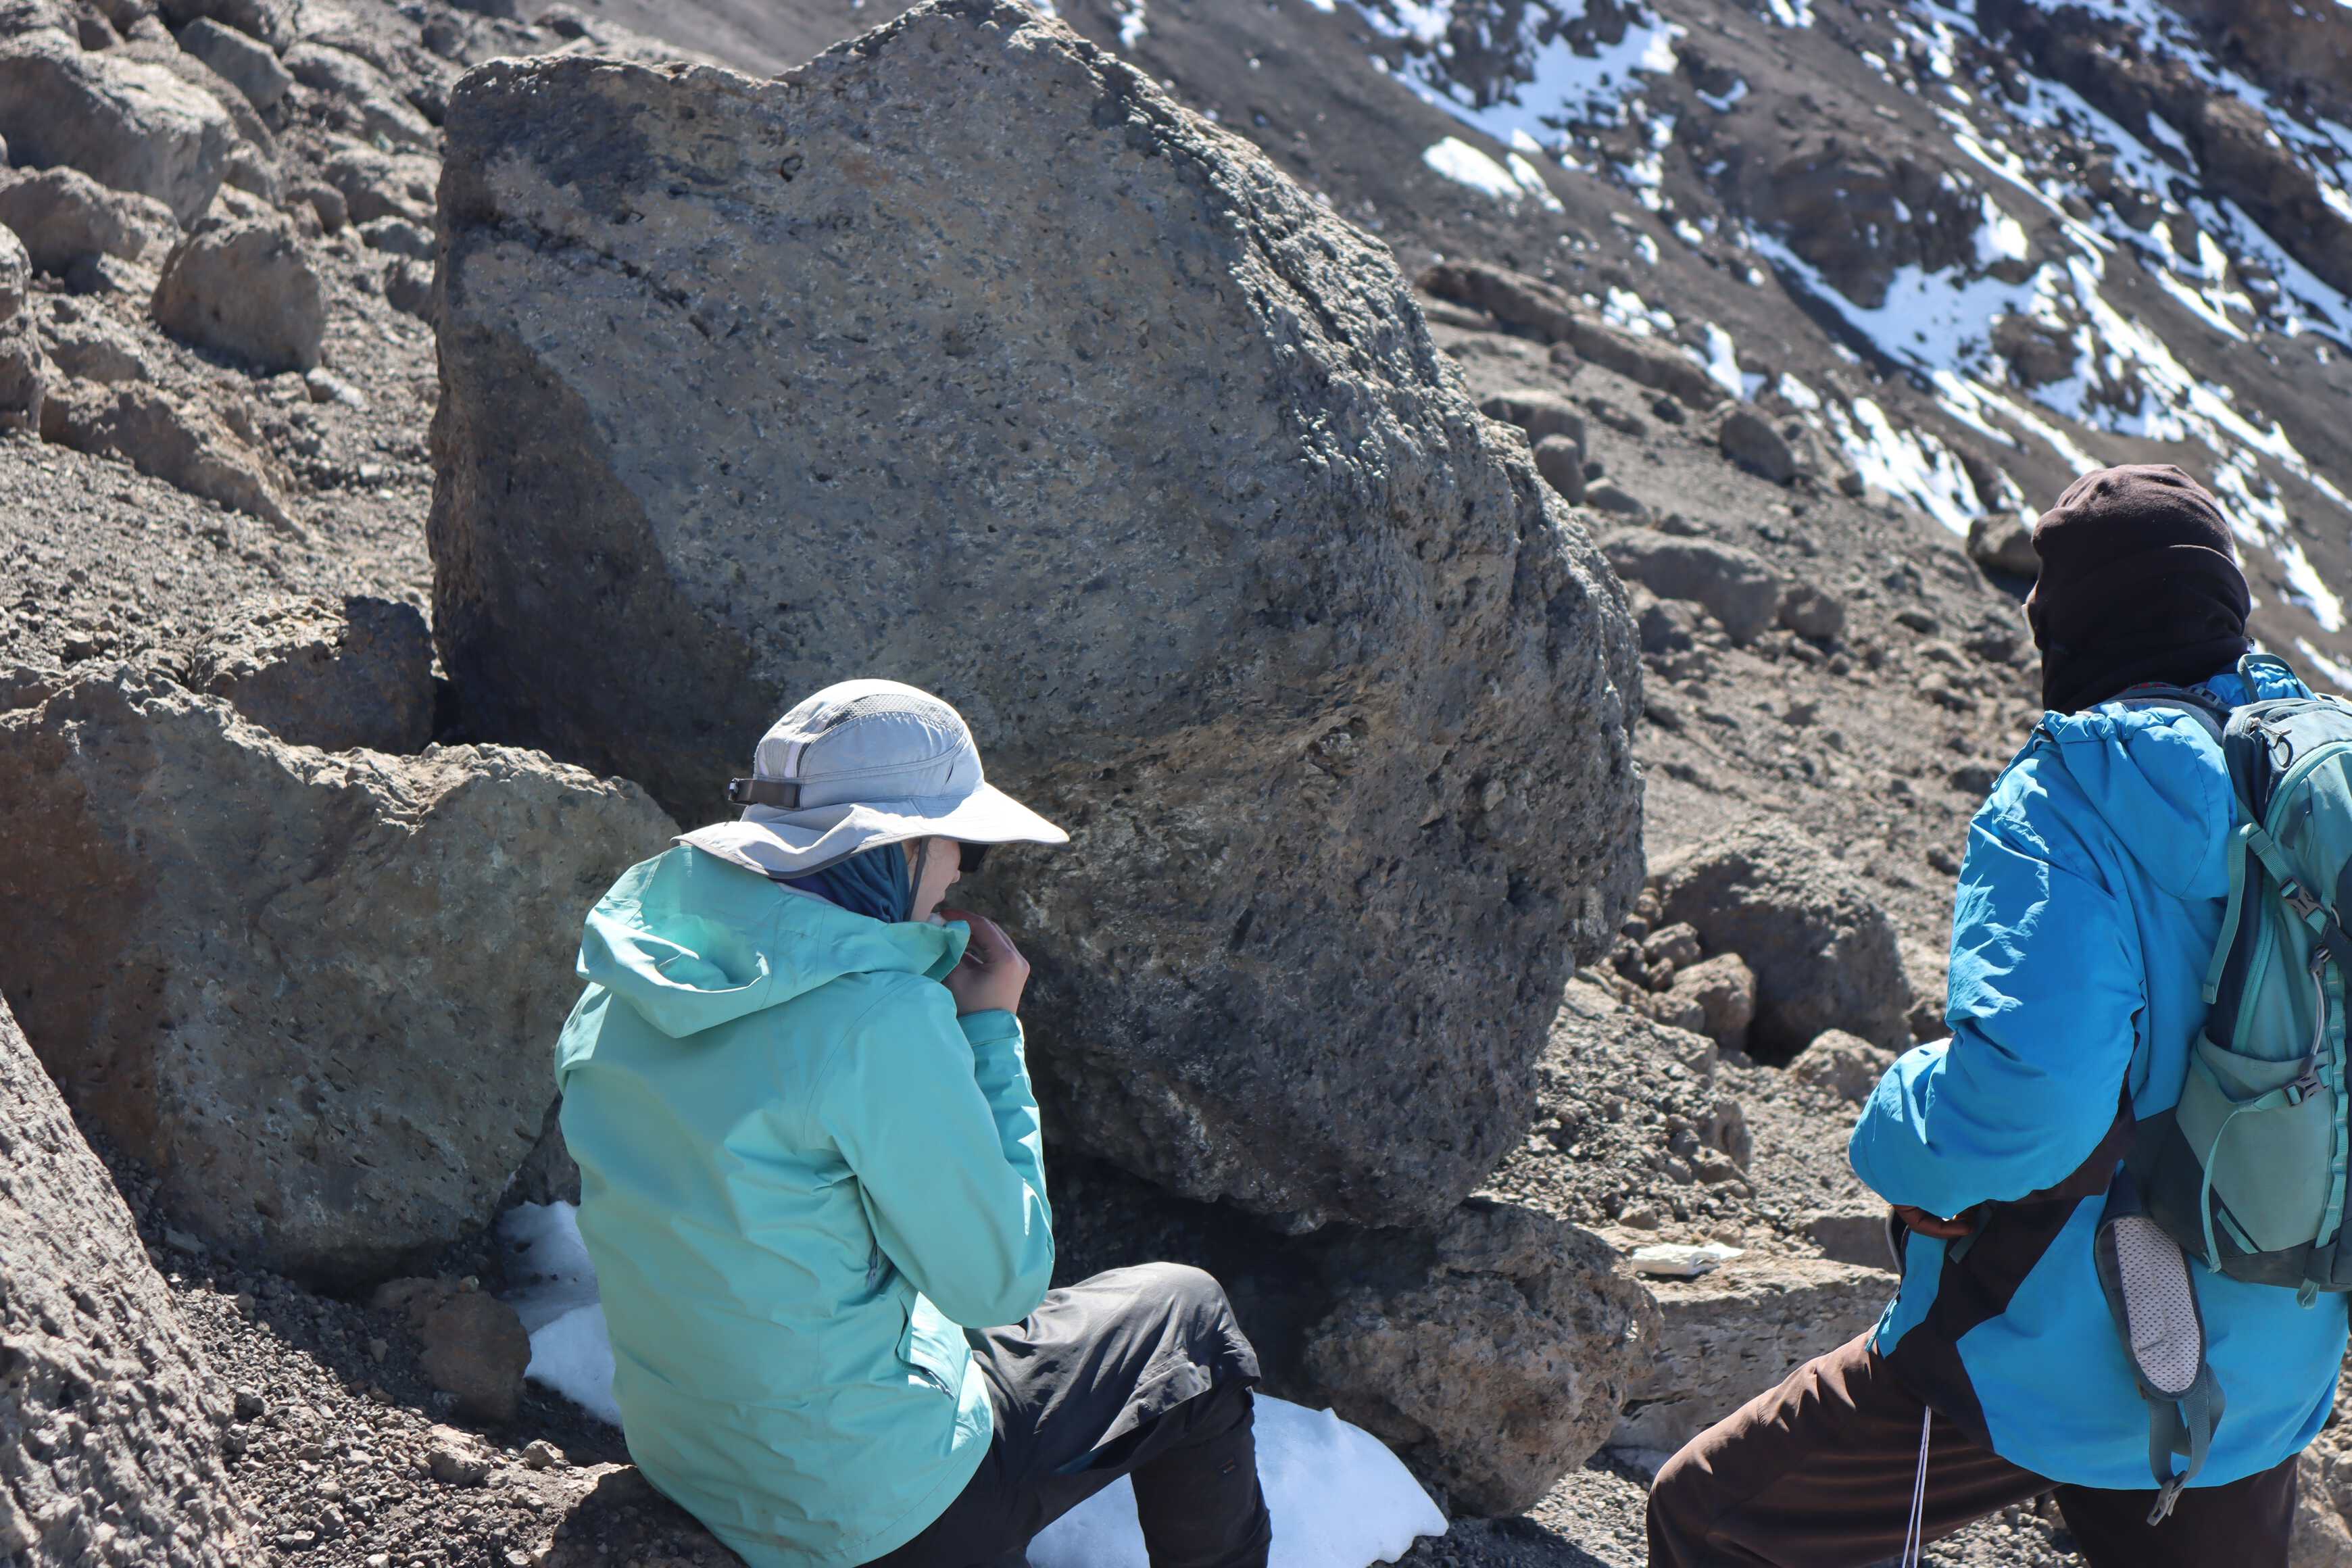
{"x": 2139, "y": 582}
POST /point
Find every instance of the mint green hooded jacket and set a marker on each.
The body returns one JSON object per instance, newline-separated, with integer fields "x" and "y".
{"x": 800, "y": 1171}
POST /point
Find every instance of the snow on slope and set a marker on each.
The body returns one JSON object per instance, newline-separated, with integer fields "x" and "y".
{"x": 1580, "y": 85}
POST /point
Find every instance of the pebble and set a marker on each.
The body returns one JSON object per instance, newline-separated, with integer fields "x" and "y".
{"x": 542, "y": 1455}
{"x": 454, "y": 1467}
{"x": 250, "y": 1405}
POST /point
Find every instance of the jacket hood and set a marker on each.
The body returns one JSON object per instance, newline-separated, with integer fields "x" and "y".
{"x": 692, "y": 941}
{"x": 2157, "y": 779}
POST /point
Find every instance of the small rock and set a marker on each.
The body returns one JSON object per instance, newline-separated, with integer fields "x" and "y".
{"x": 542, "y": 1455}
{"x": 1561, "y": 460}
{"x": 246, "y": 63}
{"x": 1541, "y": 413}
{"x": 64, "y": 217}
{"x": 1639, "y": 1216}
{"x": 1722, "y": 992}
{"x": 399, "y": 237}
{"x": 1846, "y": 1064}
{"x": 2003, "y": 544}
{"x": 1674, "y": 1261}
{"x": 327, "y": 204}
{"x": 1812, "y": 613}
{"x": 1611, "y": 496}
{"x": 1749, "y": 439}
{"x": 361, "y": 96}
{"x": 408, "y": 287}
{"x": 323, "y": 385}
{"x": 1739, "y": 589}
{"x": 270, "y": 21}
{"x": 452, "y": 1464}
{"x": 250, "y": 1405}
{"x": 184, "y": 443}
{"x": 181, "y": 1241}
{"x": 248, "y": 288}
{"x": 1675, "y": 944}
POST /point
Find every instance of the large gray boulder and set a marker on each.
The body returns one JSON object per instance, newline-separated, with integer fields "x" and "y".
{"x": 314, "y": 992}
{"x": 1134, "y": 453}
{"x": 126, "y": 123}
{"x": 1824, "y": 953}
{"x": 109, "y": 1446}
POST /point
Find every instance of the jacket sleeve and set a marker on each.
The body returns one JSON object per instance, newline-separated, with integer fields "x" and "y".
{"x": 935, "y": 1115}
{"x": 2045, "y": 1012}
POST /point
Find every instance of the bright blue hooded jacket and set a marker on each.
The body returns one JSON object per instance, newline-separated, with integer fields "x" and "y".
{"x": 2088, "y": 906}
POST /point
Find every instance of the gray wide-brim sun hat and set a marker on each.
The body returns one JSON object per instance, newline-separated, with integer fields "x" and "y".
{"x": 863, "y": 763}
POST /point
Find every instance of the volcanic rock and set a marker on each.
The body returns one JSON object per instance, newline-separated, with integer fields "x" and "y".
{"x": 182, "y": 441}
{"x": 1739, "y": 589}
{"x": 1723, "y": 991}
{"x": 474, "y": 1346}
{"x": 361, "y": 94}
{"x": 65, "y": 217}
{"x": 1729, "y": 1334}
{"x": 1561, "y": 460}
{"x": 109, "y": 1406}
{"x": 314, "y": 672}
{"x": 1813, "y": 613}
{"x": 2002, "y": 542}
{"x": 270, "y": 21}
{"x": 1333, "y": 692}
{"x": 1825, "y": 953}
{"x": 1537, "y": 411}
{"x": 244, "y": 61}
{"x": 313, "y": 991}
{"x": 1749, "y": 439}
{"x": 24, "y": 370}
{"x": 1846, "y": 1065}
{"x": 128, "y": 123}
{"x": 244, "y": 286}
{"x": 1502, "y": 1367}
{"x": 376, "y": 184}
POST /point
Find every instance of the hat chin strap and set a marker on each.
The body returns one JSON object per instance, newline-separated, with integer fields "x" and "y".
{"x": 915, "y": 873}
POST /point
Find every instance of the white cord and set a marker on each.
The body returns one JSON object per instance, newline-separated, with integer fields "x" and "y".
{"x": 1914, "y": 1542}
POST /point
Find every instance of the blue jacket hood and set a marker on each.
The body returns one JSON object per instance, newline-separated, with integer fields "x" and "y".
{"x": 2159, "y": 781}
{"x": 690, "y": 941}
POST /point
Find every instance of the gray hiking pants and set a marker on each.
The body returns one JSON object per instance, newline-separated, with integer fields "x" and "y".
{"x": 1140, "y": 1371}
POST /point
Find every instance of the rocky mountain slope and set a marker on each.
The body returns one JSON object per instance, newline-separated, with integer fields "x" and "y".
{"x": 1782, "y": 312}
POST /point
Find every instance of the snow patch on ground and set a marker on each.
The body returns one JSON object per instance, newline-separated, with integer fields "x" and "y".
{"x": 1339, "y": 1498}
{"x": 570, "y": 1351}
{"x": 1508, "y": 181}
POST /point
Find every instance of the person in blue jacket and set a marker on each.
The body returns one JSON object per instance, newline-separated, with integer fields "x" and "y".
{"x": 2088, "y": 905}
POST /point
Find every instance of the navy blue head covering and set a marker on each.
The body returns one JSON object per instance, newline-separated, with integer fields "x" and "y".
{"x": 872, "y": 882}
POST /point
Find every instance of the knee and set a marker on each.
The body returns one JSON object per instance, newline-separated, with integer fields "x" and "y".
{"x": 1188, "y": 1291}
{"x": 1681, "y": 1500}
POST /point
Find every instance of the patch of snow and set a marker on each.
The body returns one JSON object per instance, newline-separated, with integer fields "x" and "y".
{"x": 1130, "y": 23}
{"x": 1338, "y": 1497}
{"x": 1792, "y": 13}
{"x": 1909, "y": 463}
{"x": 1999, "y": 238}
{"x": 570, "y": 1351}
{"x": 1466, "y": 166}
{"x": 1723, "y": 105}
{"x": 2338, "y": 675}
{"x": 1799, "y": 395}
{"x": 1553, "y": 85}
{"x": 1722, "y": 362}
{"x": 1532, "y": 181}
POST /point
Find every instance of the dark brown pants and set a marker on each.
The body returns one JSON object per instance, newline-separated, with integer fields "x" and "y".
{"x": 1818, "y": 1473}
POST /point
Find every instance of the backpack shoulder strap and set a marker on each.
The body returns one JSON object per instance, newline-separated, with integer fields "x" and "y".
{"x": 2203, "y": 707}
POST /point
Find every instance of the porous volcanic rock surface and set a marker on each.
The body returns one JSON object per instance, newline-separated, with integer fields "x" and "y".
{"x": 1138, "y": 456}
{"x": 110, "y": 1435}
{"x": 314, "y": 990}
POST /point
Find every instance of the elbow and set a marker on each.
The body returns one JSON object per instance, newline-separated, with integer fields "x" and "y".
{"x": 1016, "y": 1291}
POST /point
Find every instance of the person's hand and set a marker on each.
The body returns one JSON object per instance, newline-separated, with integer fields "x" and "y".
{"x": 992, "y": 972}
{"x": 1926, "y": 1224}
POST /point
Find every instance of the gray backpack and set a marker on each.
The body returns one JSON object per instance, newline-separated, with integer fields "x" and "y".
{"x": 2247, "y": 1173}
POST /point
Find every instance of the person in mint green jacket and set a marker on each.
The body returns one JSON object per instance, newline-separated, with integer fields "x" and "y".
{"x": 814, "y": 1188}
